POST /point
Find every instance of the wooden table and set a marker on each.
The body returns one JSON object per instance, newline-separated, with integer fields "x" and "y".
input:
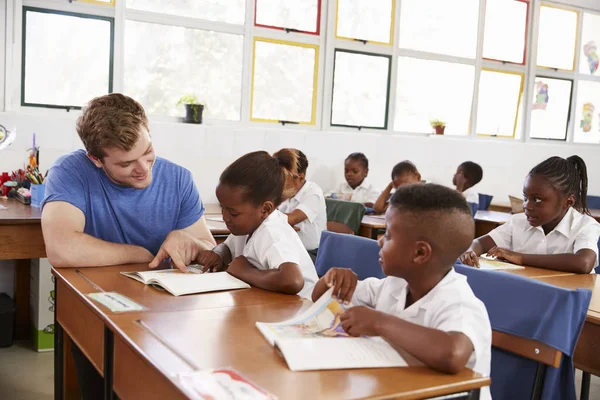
{"x": 486, "y": 221}
{"x": 21, "y": 240}
{"x": 206, "y": 331}
{"x": 372, "y": 226}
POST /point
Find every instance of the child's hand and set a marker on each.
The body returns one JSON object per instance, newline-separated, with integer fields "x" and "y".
{"x": 210, "y": 261}
{"x": 470, "y": 258}
{"x": 359, "y": 321}
{"x": 507, "y": 255}
{"x": 343, "y": 281}
{"x": 238, "y": 264}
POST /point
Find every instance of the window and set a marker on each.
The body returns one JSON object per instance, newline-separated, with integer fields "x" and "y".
{"x": 360, "y": 102}
{"x": 429, "y": 90}
{"x": 230, "y": 11}
{"x": 431, "y": 26}
{"x": 67, "y": 58}
{"x": 587, "y": 115}
{"x": 284, "y": 82}
{"x": 366, "y": 20}
{"x": 550, "y": 109}
{"x": 500, "y": 96}
{"x": 505, "y": 31}
{"x": 589, "y": 57}
{"x": 162, "y": 63}
{"x": 557, "y": 38}
{"x": 291, "y": 15}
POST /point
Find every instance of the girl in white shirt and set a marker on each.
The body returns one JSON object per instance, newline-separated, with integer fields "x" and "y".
{"x": 263, "y": 249}
{"x": 357, "y": 188}
{"x": 305, "y": 207}
{"x": 556, "y": 231}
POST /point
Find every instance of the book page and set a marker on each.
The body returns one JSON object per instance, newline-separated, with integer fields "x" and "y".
{"x": 179, "y": 283}
{"x": 147, "y": 276}
{"x": 222, "y": 384}
{"x": 493, "y": 264}
{"x": 320, "y": 320}
{"x": 338, "y": 353}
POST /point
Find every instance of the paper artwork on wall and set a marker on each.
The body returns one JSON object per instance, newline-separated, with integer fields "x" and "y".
{"x": 591, "y": 53}
{"x": 541, "y": 96}
{"x": 587, "y": 117}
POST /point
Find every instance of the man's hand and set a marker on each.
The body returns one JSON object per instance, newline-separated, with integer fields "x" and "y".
{"x": 181, "y": 247}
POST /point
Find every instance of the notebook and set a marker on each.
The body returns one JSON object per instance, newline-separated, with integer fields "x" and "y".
{"x": 315, "y": 340}
{"x": 491, "y": 263}
{"x": 180, "y": 283}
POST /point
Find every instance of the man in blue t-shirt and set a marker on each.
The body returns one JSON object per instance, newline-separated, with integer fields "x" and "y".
{"x": 118, "y": 203}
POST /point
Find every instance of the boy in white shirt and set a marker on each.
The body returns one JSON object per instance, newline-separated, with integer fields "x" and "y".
{"x": 356, "y": 188}
{"x": 468, "y": 174}
{"x": 306, "y": 208}
{"x": 423, "y": 306}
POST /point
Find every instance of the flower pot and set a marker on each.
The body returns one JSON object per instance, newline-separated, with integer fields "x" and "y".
{"x": 193, "y": 113}
{"x": 439, "y": 130}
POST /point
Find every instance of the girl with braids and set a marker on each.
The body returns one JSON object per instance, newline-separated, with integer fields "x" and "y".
{"x": 556, "y": 230}
{"x": 263, "y": 249}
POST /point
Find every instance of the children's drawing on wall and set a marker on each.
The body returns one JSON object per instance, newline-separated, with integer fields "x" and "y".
{"x": 541, "y": 96}
{"x": 591, "y": 52}
{"x": 51, "y": 300}
{"x": 587, "y": 117}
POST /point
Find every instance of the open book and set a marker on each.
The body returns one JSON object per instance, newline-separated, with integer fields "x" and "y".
{"x": 194, "y": 281}
{"x": 222, "y": 384}
{"x": 490, "y": 263}
{"x": 315, "y": 340}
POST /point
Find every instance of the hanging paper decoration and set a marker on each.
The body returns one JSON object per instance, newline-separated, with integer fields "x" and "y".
{"x": 6, "y": 137}
{"x": 590, "y": 51}
{"x": 588, "y": 115}
{"x": 541, "y": 96}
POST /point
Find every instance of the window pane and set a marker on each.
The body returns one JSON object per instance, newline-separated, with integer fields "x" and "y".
{"x": 67, "y": 59}
{"x": 231, "y": 11}
{"x": 587, "y": 117}
{"x": 550, "y": 109}
{"x": 360, "y": 90}
{"x": 499, "y": 100}
{"x": 163, "y": 63}
{"x": 284, "y": 81}
{"x": 365, "y": 19}
{"x": 299, "y": 15}
{"x": 505, "y": 30}
{"x": 431, "y": 26}
{"x": 557, "y": 38}
{"x": 429, "y": 90}
{"x": 590, "y": 40}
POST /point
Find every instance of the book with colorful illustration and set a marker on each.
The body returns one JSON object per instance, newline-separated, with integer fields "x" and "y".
{"x": 220, "y": 384}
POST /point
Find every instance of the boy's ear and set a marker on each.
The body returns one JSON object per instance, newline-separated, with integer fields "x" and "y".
{"x": 422, "y": 252}
{"x": 97, "y": 162}
{"x": 267, "y": 208}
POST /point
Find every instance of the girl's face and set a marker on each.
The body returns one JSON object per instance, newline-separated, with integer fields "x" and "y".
{"x": 241, "y": 216}
{"x": 406, "y": 178}
{"x": 355, "y": 173}
{"x": 544, "y": 205}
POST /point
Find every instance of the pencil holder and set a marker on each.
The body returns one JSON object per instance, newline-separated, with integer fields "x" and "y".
{"x": 37, "y": 194}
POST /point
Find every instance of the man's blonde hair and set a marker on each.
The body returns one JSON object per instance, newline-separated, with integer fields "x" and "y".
{"x": 113, "y": 120}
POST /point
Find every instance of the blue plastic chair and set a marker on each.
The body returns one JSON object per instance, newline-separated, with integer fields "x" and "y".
{"x": 359, "y": 254}
{"x": 535, "y": 330}
{"x": 474, "y": 207}
{"x": 593, "y": 202}
{"x": 484, "y": 201}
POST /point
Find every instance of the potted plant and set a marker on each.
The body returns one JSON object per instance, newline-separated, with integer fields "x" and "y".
{"x": 193, "y": 109}
{"x": 438, "y": 125}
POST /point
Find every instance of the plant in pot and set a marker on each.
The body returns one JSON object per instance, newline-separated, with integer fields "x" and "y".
{"x": 193, "y": 109}
{"x": 438, "y": 126}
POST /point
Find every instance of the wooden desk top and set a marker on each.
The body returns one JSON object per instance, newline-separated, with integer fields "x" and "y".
{"x": 374, "y": 221}
{"x": 579, "y": 281}
{"x": 228, "y": 337}
{"x": 18, "y": 213}
{"x": 498, "y": 217}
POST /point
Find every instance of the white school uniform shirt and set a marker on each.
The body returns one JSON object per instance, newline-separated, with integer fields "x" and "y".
{"x": 574, "y": 232}
{"x": 364, "y": 193}
{"x": 273, "y": 243}
{"x": 471, "y": 195}
{"x": 451, "y": 306}
{"x": 310, "y": 201}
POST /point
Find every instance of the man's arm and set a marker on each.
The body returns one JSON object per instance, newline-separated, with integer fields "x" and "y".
{"x": 68, "y": 246}
{"x": 200, "y": 231}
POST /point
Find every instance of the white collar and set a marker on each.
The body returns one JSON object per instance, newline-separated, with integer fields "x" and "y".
{"x": 564, "y": 226}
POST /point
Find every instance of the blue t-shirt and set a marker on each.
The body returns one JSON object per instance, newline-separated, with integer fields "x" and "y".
{"x": 119, "y": 214}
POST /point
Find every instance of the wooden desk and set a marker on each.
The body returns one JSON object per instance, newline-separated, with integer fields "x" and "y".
{"x": 21, "y": 240}
{"x": 372, "y": 226}
{"x": 486, "y": 221}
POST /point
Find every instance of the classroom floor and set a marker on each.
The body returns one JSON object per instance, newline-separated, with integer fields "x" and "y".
{"x": 28, "y": 375}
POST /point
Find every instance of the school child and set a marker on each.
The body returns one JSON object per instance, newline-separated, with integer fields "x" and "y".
{"x": 468, "y": 174}
{"x": 305, "y": 205}
{"x": 403, "y": 173}
{"x": 423, "y": 306}
{"x": 556, "y": 231}
{"x": 262, "y": 249}
{"x": 357, "y": 188}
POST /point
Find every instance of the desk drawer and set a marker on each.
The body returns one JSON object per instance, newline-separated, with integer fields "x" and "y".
{"x": 587, "y": 352}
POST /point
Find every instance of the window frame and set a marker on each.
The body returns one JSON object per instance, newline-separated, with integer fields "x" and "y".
{"x": 287, "y": 30}
{"x": 393, "y": 24}
{"x": 525, "y": 44}
{"x": 568, "y": 111}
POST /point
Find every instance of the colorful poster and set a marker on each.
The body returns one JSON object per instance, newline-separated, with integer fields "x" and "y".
{"x": 591, "y": 53}
{"x": 587, "y": 117}
{"x": 541, "y": 96}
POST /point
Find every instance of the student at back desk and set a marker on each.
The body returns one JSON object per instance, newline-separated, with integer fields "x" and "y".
{"x": 403, "y": 173}
{"x": 357, "y": 187}
{"x": 468, "y": 174}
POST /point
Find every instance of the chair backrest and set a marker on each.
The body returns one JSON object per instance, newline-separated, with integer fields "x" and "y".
{"x": 474, "y": 207}
{"x": 535, "y": 329}
{"x": 484, "y": 201}
{"x": 347, "y": 212}
{"x": 593, "y": 202}
{"x": 359, "y": 254}
{"x": 338, "y": 227}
